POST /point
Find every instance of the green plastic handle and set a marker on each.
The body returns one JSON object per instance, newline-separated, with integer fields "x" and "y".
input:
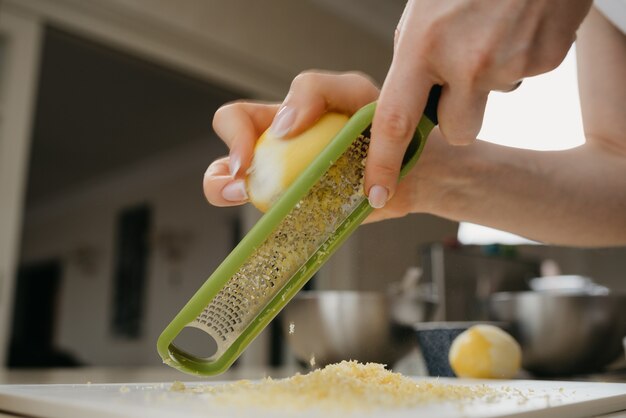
{"x": 187, "y": 362}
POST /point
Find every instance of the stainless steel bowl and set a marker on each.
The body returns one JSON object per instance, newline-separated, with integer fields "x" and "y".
{"x": 563, "y": 334}
{"x": 342, "y": 325}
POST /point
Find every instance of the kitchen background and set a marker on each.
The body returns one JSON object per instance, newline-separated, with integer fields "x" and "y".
{"x": 105, "y": 132}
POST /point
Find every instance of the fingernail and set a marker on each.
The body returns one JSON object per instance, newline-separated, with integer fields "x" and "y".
{"x": 235, "y": 191}
{"x": 283, "y": 120}
{"x": 234, "y": 165}
{"x": 378, "y": 196}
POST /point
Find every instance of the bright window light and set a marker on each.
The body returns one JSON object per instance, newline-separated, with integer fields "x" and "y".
{"x": 542, "y": 114}
{"x": 481, "y": 235}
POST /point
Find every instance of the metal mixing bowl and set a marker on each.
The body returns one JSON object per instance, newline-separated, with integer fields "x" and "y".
{"x": 563, "y": 334}
{"x": 347, "y": 325}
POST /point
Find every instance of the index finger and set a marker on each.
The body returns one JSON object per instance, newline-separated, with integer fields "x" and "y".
{"x": 399, "y": 109}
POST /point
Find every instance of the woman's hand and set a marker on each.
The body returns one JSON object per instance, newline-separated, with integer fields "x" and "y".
{"x": 469, "y": 47}
{"x": 239, "y": 125}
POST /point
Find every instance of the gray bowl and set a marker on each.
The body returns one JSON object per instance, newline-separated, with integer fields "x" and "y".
{"x": 563, "y": 334}
{"x": 345, "y": 325}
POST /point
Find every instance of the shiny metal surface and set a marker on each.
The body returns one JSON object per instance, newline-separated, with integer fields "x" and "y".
{"x": 563, "y": 334}
{"x": 341, "y": 325}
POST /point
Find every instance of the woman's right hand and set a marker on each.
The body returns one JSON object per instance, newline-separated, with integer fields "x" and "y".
{"x": 239, "y": 124}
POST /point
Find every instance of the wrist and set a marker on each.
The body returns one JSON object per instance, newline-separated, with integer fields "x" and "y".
{"x": 448, "y": 179}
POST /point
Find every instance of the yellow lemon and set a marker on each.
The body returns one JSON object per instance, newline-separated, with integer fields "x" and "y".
{"x": 485, "y": 351}
{"x": 277, "y": 162}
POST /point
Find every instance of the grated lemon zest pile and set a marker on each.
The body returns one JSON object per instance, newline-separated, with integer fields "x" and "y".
{"x": 347, "y": 385}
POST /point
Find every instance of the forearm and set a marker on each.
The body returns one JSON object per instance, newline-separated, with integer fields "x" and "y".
{"x": 573, "y": 197}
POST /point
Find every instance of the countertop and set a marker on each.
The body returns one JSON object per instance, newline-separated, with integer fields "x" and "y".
{"x": 83, "y": 375}
{"x": 146, "y": 375}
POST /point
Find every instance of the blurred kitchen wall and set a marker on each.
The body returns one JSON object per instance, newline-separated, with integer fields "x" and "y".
{"x": 106, "y": 106}
{"x": 119, "y": 97}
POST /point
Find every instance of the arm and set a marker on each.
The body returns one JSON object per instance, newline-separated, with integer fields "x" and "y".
{"x": 573, "y": 197}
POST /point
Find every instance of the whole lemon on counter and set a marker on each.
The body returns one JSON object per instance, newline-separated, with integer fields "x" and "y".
{"x": 277, "y": 162}
{"x": 485, "y": 351}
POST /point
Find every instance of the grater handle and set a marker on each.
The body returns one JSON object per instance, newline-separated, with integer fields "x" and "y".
{"x": 430, "y": 111}
{"x": 427, "y": 123}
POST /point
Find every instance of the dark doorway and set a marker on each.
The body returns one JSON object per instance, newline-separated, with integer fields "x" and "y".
{"x": 34, "y": 314}
{"x": 131, "y": 270}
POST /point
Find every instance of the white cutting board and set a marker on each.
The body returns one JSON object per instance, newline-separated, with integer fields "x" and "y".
{"x": 548, "y": 399}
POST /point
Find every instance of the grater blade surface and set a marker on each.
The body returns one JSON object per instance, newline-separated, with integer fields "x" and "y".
{"x": 302, "y": 233}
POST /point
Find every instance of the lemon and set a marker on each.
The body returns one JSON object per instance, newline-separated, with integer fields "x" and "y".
{"x": 277, "y": 162}
{"x": 485, "y": 351}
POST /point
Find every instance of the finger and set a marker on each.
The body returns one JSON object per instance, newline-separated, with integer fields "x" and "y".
{"x": 313, "y": 93}
{"x": 220, "y": 189}
{"x": 398, "y": 206}
{"x": 460, "y": 113}
{"x": 396, "y": 117}
{"x": 511, "y": 87}
{"x": 239, "y": 125}
{"x": 400, "y": 27}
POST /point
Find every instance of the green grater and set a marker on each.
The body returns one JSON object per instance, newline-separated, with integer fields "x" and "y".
{"x": 305, "y": 226}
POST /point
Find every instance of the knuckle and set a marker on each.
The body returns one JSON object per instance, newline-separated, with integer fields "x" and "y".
{"x": 479, "y": 64}
{"x": 208, "y": 191}
{"x": 383, "y": 172}
{"x": 358, "y": 76}
{"x": 210, "y": 199}
{"x": 456, "y": 137}
{"x": 552, "y": 60}
{"x": 221, "y": 113}
{"x": 362, "y": 80}
{"x": 517, "y": 70}
{"x": 394, "y": 124}
{"x": 305, "y": 79}
{"x": 433, "y": 36}
{"x": 429, "y": 40}
{"x": 519, "y": 63}
{"x": 218, "y": 117}
{"x": 545, "y": 59}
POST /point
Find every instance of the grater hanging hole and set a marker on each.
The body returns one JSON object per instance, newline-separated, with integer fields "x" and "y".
{"x": 195, "y": 341}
